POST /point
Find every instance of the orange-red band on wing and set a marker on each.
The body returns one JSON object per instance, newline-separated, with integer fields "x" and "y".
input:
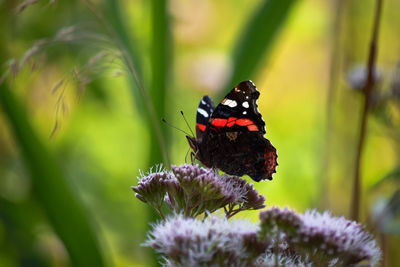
{"x": 201, "y": 127}
{"x": 231, "y": 121}
{"x": 219, "y": 122}
{"x": 249, "y": 123}
{"x": 252, "y": 128}
{"x": 244, "y": 122}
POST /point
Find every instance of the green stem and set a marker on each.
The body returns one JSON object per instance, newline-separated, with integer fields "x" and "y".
{"x": 158, "y": 209}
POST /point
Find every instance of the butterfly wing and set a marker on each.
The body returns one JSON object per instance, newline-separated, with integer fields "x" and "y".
{"x": 239, "y": 110}
{"x": 234, "y": 139}
{"x": 204, "y": 112}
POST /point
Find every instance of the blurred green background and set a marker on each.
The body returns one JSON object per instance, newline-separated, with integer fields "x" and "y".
{"x": 87, "y": 83}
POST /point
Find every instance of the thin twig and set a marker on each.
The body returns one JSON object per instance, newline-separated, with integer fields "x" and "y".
{"x": 368, "y": 89}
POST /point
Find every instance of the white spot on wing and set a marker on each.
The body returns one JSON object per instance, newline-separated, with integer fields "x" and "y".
{"x": 227, "y": 102}
{"x": 247, "y": 97}
{"x": 244, "y": 112}
{"x": 202, "y": 112}
{"x": 230, "y": 103}
{"x": 203, "y": 102}
{"x": 233, "y": 104}
{"x": 245, "y": 104}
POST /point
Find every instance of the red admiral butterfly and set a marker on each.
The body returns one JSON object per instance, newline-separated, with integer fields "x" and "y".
{"x": 231, "y": 138}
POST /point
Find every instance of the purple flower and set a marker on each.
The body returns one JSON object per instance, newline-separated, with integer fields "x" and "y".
{"x": 204, "y": 190}
{"x": 152, "y": 188}
{"x": 283, "y": 238}
{"x": 319, "y": 238}
{"x": 215, "y": 241}
{"x": 193, "y": 190}
{"x": 250, "y": 199}
{"x": 276, "y": 219}
{"x": 271, "y": 259}
{"x": 344, "y": 241}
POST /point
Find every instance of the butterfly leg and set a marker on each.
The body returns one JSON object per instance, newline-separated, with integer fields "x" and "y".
{"x": 215, "y": 170}
{"x": 192, "y": 157}
{"x": 186, "y": 156}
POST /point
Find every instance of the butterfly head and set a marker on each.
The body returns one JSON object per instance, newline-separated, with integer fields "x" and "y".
{"x": 192, "y": 143}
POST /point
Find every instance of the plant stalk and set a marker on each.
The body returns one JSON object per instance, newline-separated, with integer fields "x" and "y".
{"x": 368, "y": 90}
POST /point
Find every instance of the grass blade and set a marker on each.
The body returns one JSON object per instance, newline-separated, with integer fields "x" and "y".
{"x": 154, "y": 98}
{"x": 64, "y": 211}
{"x": 139, "y": 91}
{"x": 257, "y": 39}
{"x": 160, "y": 66}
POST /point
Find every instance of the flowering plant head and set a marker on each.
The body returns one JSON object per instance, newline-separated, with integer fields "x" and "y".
{"x": 193, "y": 190}
{"x": 215, "y": 241}
{"x": 282, "y": 238}
{"x": 320, "y": 237}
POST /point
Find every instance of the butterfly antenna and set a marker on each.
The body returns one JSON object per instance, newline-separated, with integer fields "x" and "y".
{"x": 187, "y": 123}
{"x": 176, "y": 128}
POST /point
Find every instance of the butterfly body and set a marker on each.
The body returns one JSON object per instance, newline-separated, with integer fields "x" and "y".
{"x": 231, "y": 138}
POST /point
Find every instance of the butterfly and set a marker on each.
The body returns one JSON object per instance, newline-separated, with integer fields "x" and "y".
{"x": 230, "y": 137}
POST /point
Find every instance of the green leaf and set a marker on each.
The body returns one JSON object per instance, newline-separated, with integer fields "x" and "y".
{"x": 64, "y": 211}
{"x": 257, "y": 39}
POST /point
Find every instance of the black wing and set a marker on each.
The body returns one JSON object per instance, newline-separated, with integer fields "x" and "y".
{"x": 239, "y": 105}
{"x": 204, "y": 112}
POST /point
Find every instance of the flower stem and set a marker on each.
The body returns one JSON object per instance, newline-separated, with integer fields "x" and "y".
{"x": 158, "y": 209}
{"x": 368, "y": 88}
{"x": 187, "y": 208}
{"x": 233, "y": 213}
{"x": 276, "y": 250}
